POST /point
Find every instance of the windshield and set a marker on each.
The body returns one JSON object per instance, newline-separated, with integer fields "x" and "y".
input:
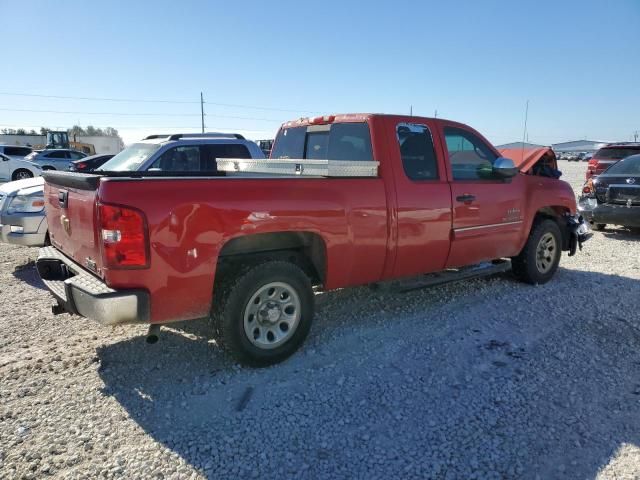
{"x": 615, "y": 153}
{"x": 628, "y": 166}
{"x": 130, "y": 159}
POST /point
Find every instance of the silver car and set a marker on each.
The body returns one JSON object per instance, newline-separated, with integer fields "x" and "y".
{"x": 22, "y": 220}
{"x": 55, "y": 159}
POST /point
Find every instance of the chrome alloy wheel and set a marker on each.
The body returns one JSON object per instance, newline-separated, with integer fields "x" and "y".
{"x": 272, "y": 315}
{"x": 546, "y": 252}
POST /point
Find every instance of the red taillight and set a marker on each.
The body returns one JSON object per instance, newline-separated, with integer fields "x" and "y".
{"x": 123, "y": 233}
{"x": 588, "y": 187}
{"x": 592, "y": 162}
{"x": 81, "y": 166}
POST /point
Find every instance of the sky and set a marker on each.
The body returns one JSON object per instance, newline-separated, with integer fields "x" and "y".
{"x": 259, "y": 64}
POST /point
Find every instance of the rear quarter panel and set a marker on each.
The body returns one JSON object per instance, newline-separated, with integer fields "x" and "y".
{"x": 190, "y": 220}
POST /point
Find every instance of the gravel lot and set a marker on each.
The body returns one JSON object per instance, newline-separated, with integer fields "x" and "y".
{"x": 483, "y": 379}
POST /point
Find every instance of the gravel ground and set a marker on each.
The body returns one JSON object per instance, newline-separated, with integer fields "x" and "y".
{"x": 482, "y": 379}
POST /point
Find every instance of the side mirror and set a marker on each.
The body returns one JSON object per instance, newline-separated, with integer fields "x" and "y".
{"x": 504, "y": 168}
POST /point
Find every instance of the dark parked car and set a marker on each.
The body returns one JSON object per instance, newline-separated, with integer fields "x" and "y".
{"x": 89, "y": 164}
{"x": 613, "y": 197}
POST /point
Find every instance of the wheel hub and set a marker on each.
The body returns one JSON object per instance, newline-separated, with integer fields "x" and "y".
{"x": 545, "y": 253}
{"x": 272, "y": 315}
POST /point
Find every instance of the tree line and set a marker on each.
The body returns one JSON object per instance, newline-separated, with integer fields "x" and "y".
{"x": 90, "y": 130}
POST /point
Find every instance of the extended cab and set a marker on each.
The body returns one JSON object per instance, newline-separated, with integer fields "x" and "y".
{"x": 344, "y": 200}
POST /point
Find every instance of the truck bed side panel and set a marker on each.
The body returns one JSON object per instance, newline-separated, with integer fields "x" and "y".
{"x": 191, "y": 219}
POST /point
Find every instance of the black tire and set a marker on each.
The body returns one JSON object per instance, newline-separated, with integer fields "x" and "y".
{"x": 21, "y": 174}
{"x": 525, "y": 266}
{"x": 231, "y": 304}
{"x": 600, "y": 226}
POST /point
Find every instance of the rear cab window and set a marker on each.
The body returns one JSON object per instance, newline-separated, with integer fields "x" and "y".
{"x": 616, "y": 153}
{"x": 337, "y": 141}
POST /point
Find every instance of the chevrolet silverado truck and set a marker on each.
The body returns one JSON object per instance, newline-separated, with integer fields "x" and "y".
{"x": 343, "y": 200}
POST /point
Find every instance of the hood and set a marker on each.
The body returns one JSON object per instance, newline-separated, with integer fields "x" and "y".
{"x": 23, "y": 187}
{"x": 528, "y": 157}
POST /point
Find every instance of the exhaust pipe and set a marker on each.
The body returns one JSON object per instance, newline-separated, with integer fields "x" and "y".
{"x": 57, "y": 309}
{"x": 153, "y": 335}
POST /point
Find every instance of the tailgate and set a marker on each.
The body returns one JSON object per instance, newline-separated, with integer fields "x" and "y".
{"x": 70, "y": 203}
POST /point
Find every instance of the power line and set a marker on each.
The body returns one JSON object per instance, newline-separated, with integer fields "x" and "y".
{"x": 139, "y": 127}
{"x": 136, "y": 100}
{"x": 130, "y": 114}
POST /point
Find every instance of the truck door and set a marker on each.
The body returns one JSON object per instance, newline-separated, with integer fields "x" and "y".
{"x": 423, "y": 199}
{"x": 487, "y": 210}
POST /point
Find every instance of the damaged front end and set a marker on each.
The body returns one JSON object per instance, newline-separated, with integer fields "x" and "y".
{"x": 578, "y": 231}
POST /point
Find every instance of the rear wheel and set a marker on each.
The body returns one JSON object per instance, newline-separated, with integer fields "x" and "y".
{"x": 21, "y": 174}
{"x": 540, "y": 257}
{"x": 263, "y": 313}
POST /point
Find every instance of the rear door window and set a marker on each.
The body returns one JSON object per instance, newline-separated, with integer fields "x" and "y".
{"x": 179, "y": 159}
{"x": 339, "y": 141}
{"x": 17, "y": 151}
{"x": 210, "y": 152}
{"x": 416, "y": 150}
{"x": 58, "y": 154}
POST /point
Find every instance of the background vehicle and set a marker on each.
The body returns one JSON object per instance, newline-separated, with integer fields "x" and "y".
{"x": 58, "y": 159}
{"x": 22, "y": 219}
{"x": 265, "y": 146}
{"x": 59, "y": 139}
{"x": 182, "y": 152}
{"x": 585, "y": 156}
{"x": 613, "y": 197}
{"x": 572, "y": 156}
{"x": 610, "y": 154}
{"x": 15, "y": 151}
{"x": 90, "y": 163}
{"x": 344, "y": 200}
{"x": 12, "y": 168}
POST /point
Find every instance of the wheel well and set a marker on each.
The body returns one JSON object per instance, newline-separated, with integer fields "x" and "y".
{"x": 306, "y": 249}
{"x": 555, "y": 213}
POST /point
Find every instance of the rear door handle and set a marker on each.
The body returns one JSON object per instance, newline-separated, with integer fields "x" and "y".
{"x": 466, "y": 198}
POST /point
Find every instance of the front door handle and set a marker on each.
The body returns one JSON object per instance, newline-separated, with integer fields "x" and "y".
{"x": 466, "y": 198}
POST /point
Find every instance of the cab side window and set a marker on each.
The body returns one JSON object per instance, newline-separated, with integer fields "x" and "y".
{"x": 470, "y": 157}
{"x": 416, "y": 150}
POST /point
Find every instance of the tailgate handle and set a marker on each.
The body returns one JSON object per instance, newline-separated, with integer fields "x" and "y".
{"x": 63, "y": 196}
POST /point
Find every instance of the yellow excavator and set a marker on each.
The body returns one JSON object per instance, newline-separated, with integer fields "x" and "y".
{"x": 60, "y": 139}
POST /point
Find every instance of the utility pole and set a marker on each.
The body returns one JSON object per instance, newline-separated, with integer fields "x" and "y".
{"x": 411, "y": 110}
{"x": 202, "y": 110}
{"x": 435, "y": 114}
{"x": 635, "y": 136}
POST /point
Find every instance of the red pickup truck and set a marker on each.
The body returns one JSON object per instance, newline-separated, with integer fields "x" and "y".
{"x": 344, "y": 200}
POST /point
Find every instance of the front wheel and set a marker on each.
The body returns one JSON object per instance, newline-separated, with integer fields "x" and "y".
{"x": 263, "y": 314}
{"x": 21, "y": 174}
{"x": 540, "y": 257}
